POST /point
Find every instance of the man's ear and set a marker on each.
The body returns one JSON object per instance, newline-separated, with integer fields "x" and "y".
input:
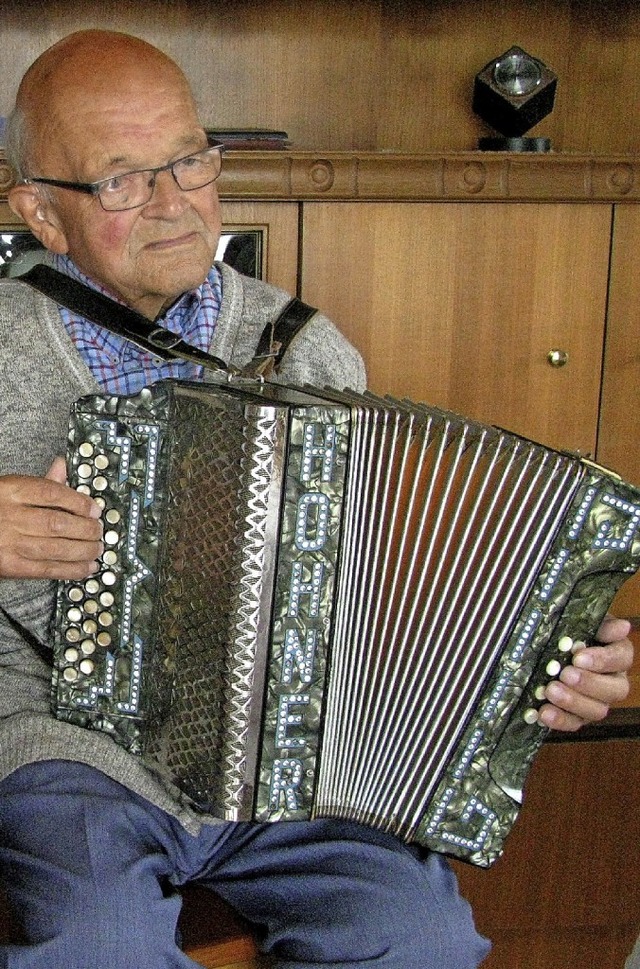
{"x": 27, "y": 203}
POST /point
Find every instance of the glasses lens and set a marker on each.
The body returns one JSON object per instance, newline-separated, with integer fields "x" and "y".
{"x": 133, "y": 189}
{"x": 126, "y": 191}
{"x": 198, "y": 170}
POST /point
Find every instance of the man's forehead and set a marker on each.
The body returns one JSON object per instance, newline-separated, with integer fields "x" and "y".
{"x": 143, "y": 154}
{"x": 136, "y": 130}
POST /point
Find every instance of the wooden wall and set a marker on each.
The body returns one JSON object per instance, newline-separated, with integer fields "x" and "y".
{"x": 565, "y": 894}
{"x": 367, "y": 74}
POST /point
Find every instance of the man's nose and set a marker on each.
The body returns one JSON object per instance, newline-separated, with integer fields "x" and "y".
{"x": 166, "y": 192}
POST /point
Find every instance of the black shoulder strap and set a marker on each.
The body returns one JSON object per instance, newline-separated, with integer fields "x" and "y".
{"x": 277, "y": 336}
{"x": 115, "y": 317}
{"x": 147, "y": 335}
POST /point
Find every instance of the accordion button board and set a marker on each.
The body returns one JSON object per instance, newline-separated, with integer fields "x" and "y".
{"x": 320, "y": 604}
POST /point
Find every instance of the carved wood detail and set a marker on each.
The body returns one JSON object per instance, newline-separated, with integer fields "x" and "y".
{"x": 439, "y": 176}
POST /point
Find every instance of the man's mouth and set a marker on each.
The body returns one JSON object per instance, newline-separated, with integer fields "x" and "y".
{"x": 173, "y": 242}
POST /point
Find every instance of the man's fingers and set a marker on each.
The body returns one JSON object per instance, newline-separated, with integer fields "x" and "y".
{"x": 612, "y": 628}
{"x": 16, "y": 567}
{"x": 51, "y": 523}
{"x": 57, "y": 471}
{"x": 617, "y": 657}
{"x": 47, "y": 530}
{"x": 19, "y": 491}
{"x": 48, "y": 493}
{"x": 556, "y": 719}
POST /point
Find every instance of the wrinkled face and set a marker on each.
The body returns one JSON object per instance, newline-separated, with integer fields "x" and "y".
{"x": 147, "y": 256}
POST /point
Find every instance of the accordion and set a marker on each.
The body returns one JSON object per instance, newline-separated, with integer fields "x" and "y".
{"x": 322, "y": 604}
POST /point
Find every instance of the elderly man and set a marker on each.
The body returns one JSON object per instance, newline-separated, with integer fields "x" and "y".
{"x": 92, "y": 844}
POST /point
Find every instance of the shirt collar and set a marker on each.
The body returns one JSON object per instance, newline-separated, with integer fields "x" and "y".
{"x": 184, "y": 317}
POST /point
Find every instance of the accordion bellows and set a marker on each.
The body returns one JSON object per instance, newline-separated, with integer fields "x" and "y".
{"x": 330, "y": 604}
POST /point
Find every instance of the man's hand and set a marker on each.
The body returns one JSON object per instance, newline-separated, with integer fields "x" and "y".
{"x": 596, "y": 679}
{"x": 47, "y": 530}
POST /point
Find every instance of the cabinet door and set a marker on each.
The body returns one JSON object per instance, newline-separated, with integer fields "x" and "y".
{"x": 459, "y": 305}
{"x": 277, "y": 223}
{"x": 619, "y": 437}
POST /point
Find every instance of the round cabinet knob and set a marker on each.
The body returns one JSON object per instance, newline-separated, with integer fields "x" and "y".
{"x": 558, "y": 358}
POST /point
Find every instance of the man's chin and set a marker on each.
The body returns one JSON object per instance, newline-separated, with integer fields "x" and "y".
{"x": 173, "y": 277}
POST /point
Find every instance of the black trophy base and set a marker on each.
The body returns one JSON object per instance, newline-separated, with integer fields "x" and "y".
{"x": 515, "y": 144}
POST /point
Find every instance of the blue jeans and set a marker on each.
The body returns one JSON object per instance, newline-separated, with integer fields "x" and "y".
{"x": 91, "y": 870}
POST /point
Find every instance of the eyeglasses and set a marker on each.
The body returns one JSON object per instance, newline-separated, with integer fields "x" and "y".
{"x": 133, "y": 189}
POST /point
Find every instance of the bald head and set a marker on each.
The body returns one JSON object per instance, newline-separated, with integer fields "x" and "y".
{"x": 95, "y": 109}
{"x": 81, "y": 69}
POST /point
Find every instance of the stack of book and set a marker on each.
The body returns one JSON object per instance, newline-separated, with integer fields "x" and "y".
{"x": 258, "y": 139}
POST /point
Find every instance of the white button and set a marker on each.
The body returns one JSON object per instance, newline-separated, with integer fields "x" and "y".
{"x": 553, "y": 667}
{"x": 530, "y": 716}
{"x": 565, "y": 644}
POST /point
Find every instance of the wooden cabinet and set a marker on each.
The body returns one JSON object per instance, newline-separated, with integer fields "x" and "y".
{"x": 566, "y": 892}
{"x": 619, "y": 427}
{"x": 460, "y": 305}
{"x": 457, "y": 275}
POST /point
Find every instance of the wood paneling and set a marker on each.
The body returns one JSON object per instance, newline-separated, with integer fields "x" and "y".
{"x": 633, "y": 700}
{"x": 367, "y": 74}
{"x": 295, "y": 175}
{"x": 459, "y": 305}
{"x": 619, "y": 431}
{"x": 566, "y": 893}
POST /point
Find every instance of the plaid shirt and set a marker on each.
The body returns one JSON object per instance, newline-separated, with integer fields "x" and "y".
{"x": 119, "y": 366}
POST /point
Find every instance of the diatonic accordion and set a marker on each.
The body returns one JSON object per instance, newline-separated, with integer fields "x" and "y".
{"x": 321, "y": 604}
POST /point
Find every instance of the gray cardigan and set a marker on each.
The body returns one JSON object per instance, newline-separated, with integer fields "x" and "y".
{"x": 41, "y": 373}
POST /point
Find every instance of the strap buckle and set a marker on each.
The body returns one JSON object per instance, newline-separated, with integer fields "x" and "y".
{"x": 163, "y": 339}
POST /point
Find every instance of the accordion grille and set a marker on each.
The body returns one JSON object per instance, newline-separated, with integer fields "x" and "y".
{"x": 210, "y": 584}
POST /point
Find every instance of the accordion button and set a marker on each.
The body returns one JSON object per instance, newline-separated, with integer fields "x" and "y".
{"x": 71, "y": 655}
{"x": 75, "y": 593}
{"x": 553, "y": 667}
{"x": 112, "y": 516}
{"x": 565, "y": 644}
{"x": 110, "y": 557}
{"x": 89, "y": 627}
{"x": 73, "y": 635}
{"x": 74, "y": 614}
{"x": 101, "y": 462}
{"x": 540, "y": 693}
{"x": 100, "y": 483}
{"x": 70, "y": 674}
{"x": 85, "y": 470}
{"x": 530, "y": 716}
{"x": 91, "y": 607}
{"x": 109, "y": 578}
{"x": 105, "y": 619}
{"x": 88, "y": 647}
{"x": 111, "y": 537}
{"x": 86, "y": 449}
{"x": 107, "y": 599}
{"x": 83, "y": 489}
{"x": 103, "y": 639}
{"x": 92, "y": 586}
{"x": 87, "y": 667}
